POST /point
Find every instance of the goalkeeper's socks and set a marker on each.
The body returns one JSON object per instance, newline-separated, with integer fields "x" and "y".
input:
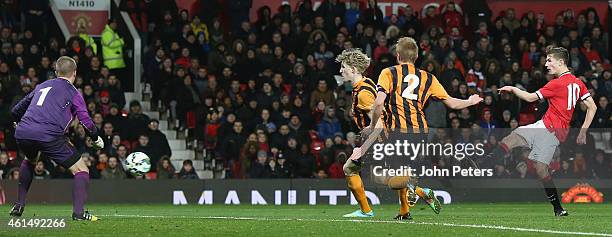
{"x": 79, "y": 192}
{"x": 551, "y": 192}
{"x": 26, "y": 171}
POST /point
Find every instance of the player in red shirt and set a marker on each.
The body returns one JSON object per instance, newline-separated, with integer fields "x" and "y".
{"x": 544, "y": 136}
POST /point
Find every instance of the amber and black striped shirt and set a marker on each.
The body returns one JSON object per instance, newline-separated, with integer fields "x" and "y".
{"x": 408, "y": 89}
{"x": 364, "y": 94}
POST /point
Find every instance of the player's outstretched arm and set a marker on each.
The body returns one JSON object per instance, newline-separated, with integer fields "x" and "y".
{"x": 523, "y": 95}
{"x": 455, "y": 103}
{"x": 590, "y": 114}
{"x": 22, "y": 106}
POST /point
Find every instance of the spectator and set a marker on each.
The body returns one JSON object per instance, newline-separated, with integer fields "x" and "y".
{"x": 304, "y": 164}
{"x": 282, "y": 170}
{"x": 102, "y": 161}
{"x": 112, "y": 52}
{"x": 260, "y": 167}
{"x": 430, "y": 18}
{"x": 322, "y": 93}
{"x": 602, "y": 168}
{"x": 13, "y": 174}
{"x": 603, "y": 115}
{"x": 107, "y": 132}
{"x": 188, "y": 97}
{"x": 234, "y": 139}
{"x": 5, "y": 165}
{"x": 87, "y": 39}
{"x": 452, "y": 17}
{"x": 381, "y": 48}
{"x": 335, "y": 170}
{"x": 158, "y": 142}
{"x": 116, "y": 93}
{"x": 329, "y": 125}
{"x": 510, "y": 21}
{"x": 114, "y": 170}
{"x": 580, "y": 166}
{"x": 591, "y": 55}
{"x": 122, "y": 153}
{"x": 136, "y": 121}
{"x": 565, "y": 171}
{"x": 144, "y": 147}
{"x": 165, "y": 169}
{"x": 321, "y": 174}
{"x": 113, "y": 145}
{"x": 188, "y": 172}
{"x": 40, "y": 172}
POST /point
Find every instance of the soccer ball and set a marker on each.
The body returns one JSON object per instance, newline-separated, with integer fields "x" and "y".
{"x": 138, "y": 163}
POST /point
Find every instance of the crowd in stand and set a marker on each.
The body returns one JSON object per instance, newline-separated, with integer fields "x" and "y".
{"x": 260, "y": 97}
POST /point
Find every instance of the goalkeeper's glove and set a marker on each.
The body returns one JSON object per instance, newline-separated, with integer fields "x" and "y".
{"x": 98, "y": 144}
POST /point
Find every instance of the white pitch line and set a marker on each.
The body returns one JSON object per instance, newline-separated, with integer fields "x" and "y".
{"x": 372, "y": 221}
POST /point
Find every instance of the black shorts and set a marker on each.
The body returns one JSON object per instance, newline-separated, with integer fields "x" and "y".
{"x": 60, "y": 150}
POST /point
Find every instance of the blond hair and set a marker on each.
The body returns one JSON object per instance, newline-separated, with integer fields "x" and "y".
{"x": 65, "y": 66}
{"x": 407, "y": 49}
{"x": 354, "y": 58}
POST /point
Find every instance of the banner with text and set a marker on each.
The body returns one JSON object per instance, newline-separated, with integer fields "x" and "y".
{"x": 88, "y": 16}
{"x": 300, "y": 191}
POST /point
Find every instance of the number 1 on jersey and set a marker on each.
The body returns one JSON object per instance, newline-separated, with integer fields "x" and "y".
{"x": 413, "y": 81}
{"x": 573, "y": 91}
{"x": 42, "y": 97}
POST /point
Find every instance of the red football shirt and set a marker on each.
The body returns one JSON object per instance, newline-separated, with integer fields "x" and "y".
{"x": 562, "y": 94}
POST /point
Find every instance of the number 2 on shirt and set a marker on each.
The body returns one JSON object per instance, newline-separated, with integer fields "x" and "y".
{"x": 42, "y": 97}
{"x": 413, "y": 82}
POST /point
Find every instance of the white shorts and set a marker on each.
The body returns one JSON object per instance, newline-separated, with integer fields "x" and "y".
{"x": 542, "y": 142}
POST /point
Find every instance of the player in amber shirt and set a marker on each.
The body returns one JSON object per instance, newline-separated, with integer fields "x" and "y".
{"x": 353, "y": 64}
{"x": 544, "y": 136}
{"x": 402, "y": 93}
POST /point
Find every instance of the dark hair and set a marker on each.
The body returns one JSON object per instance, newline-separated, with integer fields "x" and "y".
{"x": 558, "y": 53}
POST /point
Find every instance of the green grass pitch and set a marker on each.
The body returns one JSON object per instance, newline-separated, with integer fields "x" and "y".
{"x": 303, "y": 220}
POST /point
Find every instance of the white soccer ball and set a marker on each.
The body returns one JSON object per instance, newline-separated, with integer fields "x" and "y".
{"x": 138, "y": 163}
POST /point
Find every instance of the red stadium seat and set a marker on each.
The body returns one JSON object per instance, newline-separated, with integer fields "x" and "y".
{"x": 1, "y": 136}
{"x": 151, "y": 175}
